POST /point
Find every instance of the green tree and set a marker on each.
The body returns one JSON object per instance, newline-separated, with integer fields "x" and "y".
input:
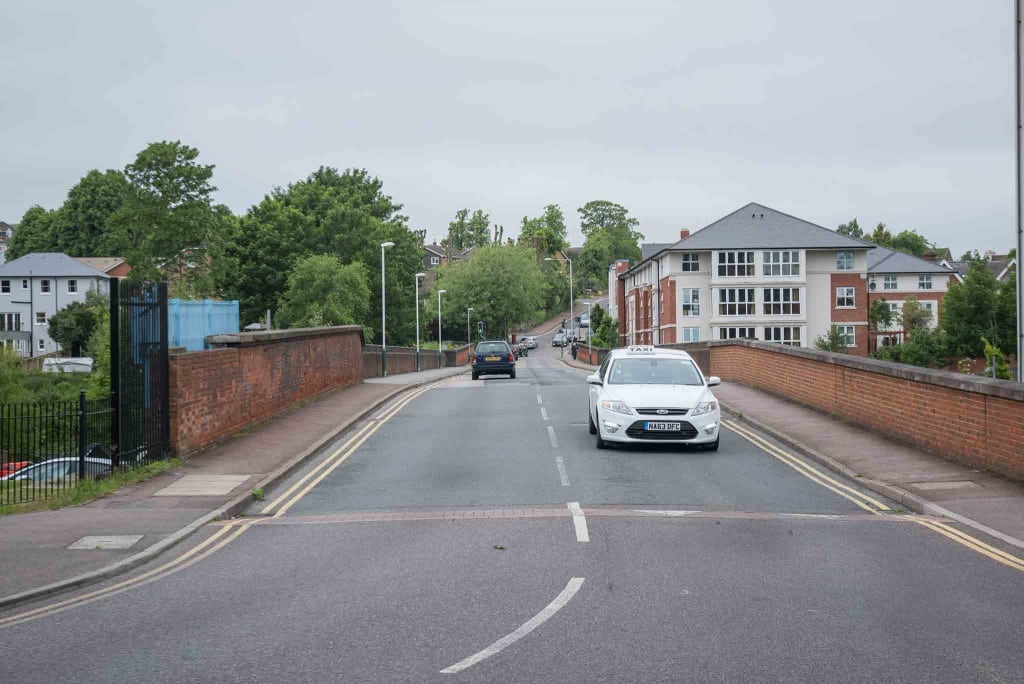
{"x": 881, "y": 236}
{"x": 72, "y": 326}
{"x": 832, "y": 341}
{"x": 545, "y": 233}
{"x": 98, "y": 349}
{"x": 83, "y": 222}
{"x": 504, "y": 285}
{"x": 914, "y": 316}
{"x": 468, "y": 230}
{"x": 35, "y": 233}
{"x": 1006, "y": 314}
{"x": 344, "y": 214}
{"x": 11, "y": 388}
{"x": 851, "y": 229}
{"x": 610, "y": 234}
{"x": 168, "y": 220}
{"x": 928, "y": 347}
{"x": 911, "y": 242}
{"x": 322, "y": 291}
{"x": 994, "y": 354}
{"x": 605, "y": 329}
{"x": 969, "y": 311}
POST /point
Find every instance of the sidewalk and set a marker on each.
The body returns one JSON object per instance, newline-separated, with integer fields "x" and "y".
{"x": 35, "y": 545}
{"x": 924, "y": 482}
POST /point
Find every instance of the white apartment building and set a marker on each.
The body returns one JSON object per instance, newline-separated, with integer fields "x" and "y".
{"x": 757, "y": 273}
{"x": 32, "y": 289}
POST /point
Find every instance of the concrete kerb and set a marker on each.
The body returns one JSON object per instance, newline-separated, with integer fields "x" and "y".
{"x": 227, "y": 510}
{"x": 901, "y": 496}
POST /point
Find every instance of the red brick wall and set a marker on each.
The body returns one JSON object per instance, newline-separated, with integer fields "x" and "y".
{"x": 977, "y": 422}
{"x": 620, "y": 302}
{"x": 859, "y": 314}
{"x": 217, "y": 392}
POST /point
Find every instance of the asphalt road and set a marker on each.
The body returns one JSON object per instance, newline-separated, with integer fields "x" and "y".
{"x": 448, "y": 528}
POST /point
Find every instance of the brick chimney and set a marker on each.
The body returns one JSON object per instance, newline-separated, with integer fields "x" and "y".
{"x": 621, "y": 266}
{"x": 683, "y": 234}
{"x": 930, "y": 256}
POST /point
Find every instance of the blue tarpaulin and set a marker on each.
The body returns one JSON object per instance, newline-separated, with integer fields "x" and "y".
{"x": 191, "y": 320}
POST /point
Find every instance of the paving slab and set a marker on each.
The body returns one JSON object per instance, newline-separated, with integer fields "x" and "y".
{"x": 987, "y": 498}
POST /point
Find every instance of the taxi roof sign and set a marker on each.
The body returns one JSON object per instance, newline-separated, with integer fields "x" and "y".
{"x": 641, "y": 350}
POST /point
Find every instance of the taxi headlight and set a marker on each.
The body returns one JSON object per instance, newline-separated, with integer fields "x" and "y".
{"x": 704, "y": 407}
{"x": 615, "y": 406}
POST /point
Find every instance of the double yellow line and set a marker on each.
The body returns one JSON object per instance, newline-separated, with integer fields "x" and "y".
{"x": 293, "y": 494}
{"x": 230, "y": 531}
{"x": 866, "y": 502}
{"x": 214, "y": 543}
{"x": 873, "y": 505}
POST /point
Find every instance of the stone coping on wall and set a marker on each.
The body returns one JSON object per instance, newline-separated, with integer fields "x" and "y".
{"x": 1005, "y": 389}
{"x": 258, "y": 337}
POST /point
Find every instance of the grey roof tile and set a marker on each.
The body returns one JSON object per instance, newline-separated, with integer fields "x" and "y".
{"x": 53, "y": 264}
{"x": 885, "y": 260}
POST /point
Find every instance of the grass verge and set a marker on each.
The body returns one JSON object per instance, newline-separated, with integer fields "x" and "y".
{"x": 90, "y": 490}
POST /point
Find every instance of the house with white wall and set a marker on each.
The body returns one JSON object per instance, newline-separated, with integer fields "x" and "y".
{"x": 32, "y": 289}
{"x": 895, "y": 276}
{"x": 756, "y": 273}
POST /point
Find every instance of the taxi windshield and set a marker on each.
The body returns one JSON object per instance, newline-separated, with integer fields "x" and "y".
{"x": 648, "y": 371}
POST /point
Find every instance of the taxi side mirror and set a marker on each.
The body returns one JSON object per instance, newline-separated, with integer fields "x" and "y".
{"x": 594, "y": 379}
{"x": 714, "y": 380}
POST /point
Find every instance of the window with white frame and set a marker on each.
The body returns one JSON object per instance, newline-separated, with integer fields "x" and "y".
{"x": 691, "y": 334}
{"x": 41, "y": 344}
{"x": 737, "y": 333}
{"x": 929, "y": 307}
{"x": 844, "y": 261}
{"x": 789, "y": 335}
{"x": 781, "y": 301}
{"x": 72, "y": 287}
{"x": 784, "y": 263}
{"x": 40, "y": 318}
{"x": 845, "y": 298}
{"x": 690, "y": 299}
{"x": 736, "y": 301}
{"x": 24, "y": 283}
{"x": 890, "y": 283}
{"x": 691, "y": 262}
{"x": 44, "y": 286}
{"x": 5, "y": 287}
{"x": 924, "y": 282}
{"x": 847, "y": 334}
{"x": 735, "y": 264}
{"x": 10, "y": 322}
{"x": 434, "y": 260}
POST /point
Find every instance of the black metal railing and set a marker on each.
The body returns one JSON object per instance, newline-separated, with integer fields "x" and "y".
{"x": 47, "y": 447}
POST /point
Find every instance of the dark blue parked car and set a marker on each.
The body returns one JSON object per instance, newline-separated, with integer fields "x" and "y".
{"x": 494, "y": 357}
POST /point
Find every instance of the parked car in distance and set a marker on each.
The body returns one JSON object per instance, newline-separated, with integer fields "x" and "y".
{"x": 584, "y": 320}
{"x": 529, "y": 340}
{"x": 59, "y": 468}
{"x": 494, "y": 357}
{"x": 647, "y": 394}
{"x": 11, "y": 467}
{"x": 559, "y": 340}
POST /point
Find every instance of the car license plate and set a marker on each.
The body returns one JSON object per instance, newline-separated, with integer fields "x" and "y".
{"x": 662, "y": 427}
{"x": 492, "y": 358}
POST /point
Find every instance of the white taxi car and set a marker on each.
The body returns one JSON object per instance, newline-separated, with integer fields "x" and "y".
{"x": 651, "y": 394}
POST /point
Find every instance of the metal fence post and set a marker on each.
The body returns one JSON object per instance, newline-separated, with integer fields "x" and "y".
{"x": 81, "y": 435}
{"x": 115, "y": 373}
{"x": 165, "y": 378}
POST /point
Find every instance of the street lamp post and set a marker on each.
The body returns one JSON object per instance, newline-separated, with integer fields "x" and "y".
{"x": 383, "y": 311}
{"x": 440, "y": 342}
{"x": 1020, "y": 189}
{"x": 418, "y": 276}
{"x": 469, "y": 338}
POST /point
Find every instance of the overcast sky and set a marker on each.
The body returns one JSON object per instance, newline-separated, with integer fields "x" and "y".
{"x": 682, "y": 111}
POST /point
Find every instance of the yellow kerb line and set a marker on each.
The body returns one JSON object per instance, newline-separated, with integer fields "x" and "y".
{"x": 880, "y": 505}
{"x": 349, "y": 450}
{"x": 269, "y": 508}
{"x": 973, "y": 543}
{"x": 68, "y": 603}
{"x": 811, "y": 474}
